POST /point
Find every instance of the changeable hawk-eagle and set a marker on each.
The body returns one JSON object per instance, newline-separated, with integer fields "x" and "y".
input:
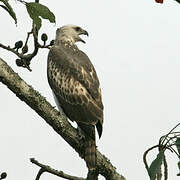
{"x": 75, "y": 86}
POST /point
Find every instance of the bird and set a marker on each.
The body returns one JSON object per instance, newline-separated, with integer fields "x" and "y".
{"x": 75, "y": 86}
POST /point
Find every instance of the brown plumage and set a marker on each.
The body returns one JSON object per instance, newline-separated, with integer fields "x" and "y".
{"x": 75, "y": 86}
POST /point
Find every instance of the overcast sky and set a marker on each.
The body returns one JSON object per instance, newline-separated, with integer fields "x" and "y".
{"x": 134, "y": 46}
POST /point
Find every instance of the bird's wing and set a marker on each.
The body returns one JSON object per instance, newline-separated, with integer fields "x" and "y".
{"x": 81, "y": 68}
{"x": 75, "y": 84}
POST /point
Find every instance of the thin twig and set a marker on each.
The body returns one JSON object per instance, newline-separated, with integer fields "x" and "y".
{"x": 45, "y": 168}
{"x": 28, "y": 35}
{"x": 27, "y": 58}
{"x": 11, "y": 49}
{"x": 39, "y": 174}
{"x": 45, "y": 46}
{"x": 170, "y": 132}
{"x": 172, "y": 149}
{"x": 170, "y": 139}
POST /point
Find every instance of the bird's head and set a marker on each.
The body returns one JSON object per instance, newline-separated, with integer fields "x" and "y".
{"x": 70, "y": 33}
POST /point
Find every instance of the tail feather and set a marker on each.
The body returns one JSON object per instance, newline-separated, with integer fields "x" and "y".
{"x": 90, "y": 145}
{"x": 90, "y": 153}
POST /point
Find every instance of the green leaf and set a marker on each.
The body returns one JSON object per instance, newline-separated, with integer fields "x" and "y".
{"x": 155, "y": 165}
{"x": 179, "y": 168}
{"x": 178, "y": 145}
{"x": 9, "y": 9}
{"x": 36, "y": 10}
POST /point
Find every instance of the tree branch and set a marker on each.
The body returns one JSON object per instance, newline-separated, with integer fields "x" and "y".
{"x": 25, "y": 59}
{"x": 55, "y": 119}
{"x": 10, "y": 49}
{"x": 41, "y": 171}
{"x": 45, "y": 168}
{"x": 177, "y": 1}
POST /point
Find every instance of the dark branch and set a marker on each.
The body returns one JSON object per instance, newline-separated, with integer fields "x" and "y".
{"x": 56, "y": 120}
{"x": 10, "y": 49}
{"x": 177, "y": 1}
{"x": 39, "y": 173}
{"x": 45, "y": 168}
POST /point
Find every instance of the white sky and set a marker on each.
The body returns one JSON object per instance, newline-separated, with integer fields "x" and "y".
{"x": 134, "y": 46}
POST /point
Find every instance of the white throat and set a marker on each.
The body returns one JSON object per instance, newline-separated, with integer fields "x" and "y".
{"x": 64, "y": 39}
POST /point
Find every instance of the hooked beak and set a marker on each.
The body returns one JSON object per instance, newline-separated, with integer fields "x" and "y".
{"x": 83, "y": 32}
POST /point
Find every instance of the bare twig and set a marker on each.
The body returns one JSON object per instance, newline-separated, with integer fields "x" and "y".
{"x": 27, "y": 38}
{"x": 11, "y": 49}
{"x": 45, "y": 168}
{"x": 169, "y": 133}
{"x": 170, "y": 139}
{"x": 40, "y": 172}
{"x": 44, "y": 46}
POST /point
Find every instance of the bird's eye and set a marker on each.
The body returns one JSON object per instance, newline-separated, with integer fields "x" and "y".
{"x": 77, "y": 28}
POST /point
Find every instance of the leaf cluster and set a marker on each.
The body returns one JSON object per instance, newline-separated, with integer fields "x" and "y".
{"x": 36, "y": 12}
{"x": 166, "y": 142}
{"x": 34, "y": 9}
